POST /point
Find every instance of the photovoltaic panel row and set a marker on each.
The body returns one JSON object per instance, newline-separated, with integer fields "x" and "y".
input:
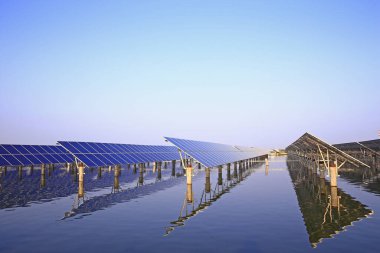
{"x": 27, "y": 155}
{"x": 96, "y": 154}
{"x": 212, "y": 154}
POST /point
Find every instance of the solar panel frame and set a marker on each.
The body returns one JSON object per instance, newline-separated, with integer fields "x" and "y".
{"x": 28, "y": 155}
{"x": 211, "y": 154}
{"x": 95, "y": 154}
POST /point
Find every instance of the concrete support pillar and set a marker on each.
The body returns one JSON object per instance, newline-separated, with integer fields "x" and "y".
{"x": 235, "y": 170}
{"x": 141, "y": 174}
{"x": 208, "y": 181}
{"x": 31, "y": 170}
{"x": 166, "y": 165}
{"x": 159, "y": 175}
{"x": 80, "y": 189}
{"x": 154, "y": 167}
{"x": 220, "y": 175}
{"x": 240, "y": 177}
{"x": 189, "y": 171}
{"x": 199, "y": 166}
{"x": 333, "y": 174}
{"x": 134, "y": 168}
{"x": 19, "y": 172}
{"x": 228, "y": 171}
{"x": 266, "y": 162}
{"x": 173, "y": 168}
{"x": 116, "y": 179}
{"x": 99, "y": 172}
{"x": 80, "y": 172}
{"x": 50, "y": 169}
{"x": 43, "y": 179}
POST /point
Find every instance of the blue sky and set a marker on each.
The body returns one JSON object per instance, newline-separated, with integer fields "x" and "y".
{"x": 258, "y": 73}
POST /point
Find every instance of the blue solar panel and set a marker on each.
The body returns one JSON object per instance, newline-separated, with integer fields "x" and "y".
{"x": 11, "y": 160}
{"x": 212, "y": 154}
{"x": 4, "y": 162}
{"x": 94, "y": 154}
{"x": 26, "y": 155}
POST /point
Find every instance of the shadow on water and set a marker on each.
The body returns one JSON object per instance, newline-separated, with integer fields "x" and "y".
{"x": 326, "y": 210}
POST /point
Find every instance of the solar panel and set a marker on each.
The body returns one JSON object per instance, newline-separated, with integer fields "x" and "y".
{"x": 313, "y": 145}
{"x": 94, "y": 154}
{"x": 26, "y": 155}
{"x": 212, "y": 154}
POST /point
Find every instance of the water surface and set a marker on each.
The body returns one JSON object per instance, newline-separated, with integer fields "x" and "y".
{"x": 283, "y": 208}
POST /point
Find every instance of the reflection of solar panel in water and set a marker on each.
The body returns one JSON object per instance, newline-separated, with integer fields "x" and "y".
{"x": 212, "y": 154}
{"x": 26, "y": 155}
{"x": 94, "y": 154}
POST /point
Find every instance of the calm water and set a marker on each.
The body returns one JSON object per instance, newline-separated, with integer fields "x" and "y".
{"x": 285, "y": 208}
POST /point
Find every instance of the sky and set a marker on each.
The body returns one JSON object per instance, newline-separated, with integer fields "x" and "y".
{"x": 254, "y": 73}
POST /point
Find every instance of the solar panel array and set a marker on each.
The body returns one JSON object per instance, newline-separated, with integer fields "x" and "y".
{"x": 107, "y": 154}
{"x": 27, "y": 155}
{"x": 212, "y": 154}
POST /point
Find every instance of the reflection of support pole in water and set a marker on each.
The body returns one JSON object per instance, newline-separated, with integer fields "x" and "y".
{"x": 334, "y": 196}
{"x": 173, "y": 168}
{"x": 235, "y": 170}
{"x": 43, "y": 181}
{"x": 228, "y": 171}
{"x": 189, "y": 193}
{"x": 266, "y": 166}
{"x": 208, "y": 181}
{"x": 220, "y": 175}
{"x": 141, "y": 174}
